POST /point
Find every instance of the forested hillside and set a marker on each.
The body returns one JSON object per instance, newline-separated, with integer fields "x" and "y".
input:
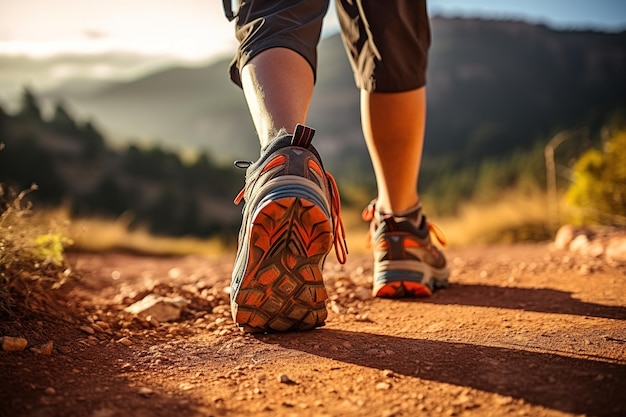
{"x": 72, "y": 163}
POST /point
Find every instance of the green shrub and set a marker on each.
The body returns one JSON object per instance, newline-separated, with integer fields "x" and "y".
{"x": 598, "y": 194}
{"x": 31, "y": 249}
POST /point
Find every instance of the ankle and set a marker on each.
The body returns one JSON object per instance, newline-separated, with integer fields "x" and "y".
{"x": 397, "y": 211}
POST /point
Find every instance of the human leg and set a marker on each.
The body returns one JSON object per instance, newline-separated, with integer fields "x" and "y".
{"x": 278, "y": 85}
{"x": 276, "y": 61}
{"x": 389, "y": 62}
{"x": 393, "y": 127}
{"x": 291, "y": 213}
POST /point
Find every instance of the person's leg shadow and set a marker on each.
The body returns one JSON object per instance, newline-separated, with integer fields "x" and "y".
{"x": 580, "y": 385}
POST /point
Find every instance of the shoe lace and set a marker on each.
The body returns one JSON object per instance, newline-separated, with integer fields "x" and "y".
{"x": 368, "y": 216}
{"x": 341, "y": 247}
{"x": 339, "y": 235}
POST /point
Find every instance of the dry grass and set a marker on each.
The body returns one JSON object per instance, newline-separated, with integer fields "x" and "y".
{"x": 515, "y": 216}
{"x": 99, "y": 235}
{"x": 27, "y": 235}
{"x": 31, "y": 250}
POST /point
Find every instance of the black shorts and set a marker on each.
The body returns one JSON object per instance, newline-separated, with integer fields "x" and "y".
{"x": 387, "y": 41}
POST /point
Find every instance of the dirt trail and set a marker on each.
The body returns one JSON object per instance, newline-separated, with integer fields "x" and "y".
{"x": 522, "y": 330}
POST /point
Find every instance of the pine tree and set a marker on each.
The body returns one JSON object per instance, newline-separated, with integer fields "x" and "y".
{"x": 30, "y": 109}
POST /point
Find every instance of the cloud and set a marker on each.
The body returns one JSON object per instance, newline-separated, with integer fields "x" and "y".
{"x": 95, "y": 34}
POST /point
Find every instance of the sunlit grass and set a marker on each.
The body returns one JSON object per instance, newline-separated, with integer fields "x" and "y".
{"x": 28, "y": 235}
{"x": 102, "y": 235}
{"x": 516, "y": 215}
{"x": 513, "y": 217}
{"x": 32, "y": 246}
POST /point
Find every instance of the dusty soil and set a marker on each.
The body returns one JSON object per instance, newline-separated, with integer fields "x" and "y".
{"x": 522, "y": 330}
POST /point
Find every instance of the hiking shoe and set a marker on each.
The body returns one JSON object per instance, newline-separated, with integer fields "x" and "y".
{"x": 406, "y": 262}
{"x": 291, "y": 219}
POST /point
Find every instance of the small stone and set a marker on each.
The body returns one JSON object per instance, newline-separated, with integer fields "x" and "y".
{"x": 46, "y": 349}
{"x": 503, "y": 400}
{"x": 616, "y": 250}
{"x": 579, "y": 243}
{"x": 13, "y": 344}
{"x": 595, "y": 250}
{"x": 87, "y": 330}
{"x": 145, "y": 392}
{"x": 103, "y": 325}
{"x": 50, "y": 391}
{"x": 160, "y": 308}
{"x": 388, "y": 373}
{"x": 125, "y": 341}
{"x": 383, "y": 386}
{"x": 284, "y": 379}
{"x": 97, "y": 328}
{"x": 564, "y": 236}
{"x": 462, "y": 399}
{"x": 363, "y": 318}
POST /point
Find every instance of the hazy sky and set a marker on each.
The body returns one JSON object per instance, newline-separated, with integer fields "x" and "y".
{"x": 196, "y": 30}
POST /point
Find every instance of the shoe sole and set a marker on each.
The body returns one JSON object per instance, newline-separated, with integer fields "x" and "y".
{"x": 407, "y": 284}
{"x": 282, "y": 288}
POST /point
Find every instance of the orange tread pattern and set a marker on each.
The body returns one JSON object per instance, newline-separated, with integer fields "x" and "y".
{"x": 282, "y": 288}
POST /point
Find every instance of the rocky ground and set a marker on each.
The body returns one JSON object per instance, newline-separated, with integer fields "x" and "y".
{"x": 534, "y": 329}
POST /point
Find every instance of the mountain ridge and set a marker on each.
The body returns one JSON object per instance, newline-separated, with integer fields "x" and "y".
{"x": 493, "y": 86}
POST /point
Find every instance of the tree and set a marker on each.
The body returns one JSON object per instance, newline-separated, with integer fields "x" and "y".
{"x": 599, "y": 191}
{"x": 62, "y": 121}
{"x": 30, "y": 109}
{"x": 3, "y": 117}
{"x": 93, "y": 141}
{"x": 23, "y": 162}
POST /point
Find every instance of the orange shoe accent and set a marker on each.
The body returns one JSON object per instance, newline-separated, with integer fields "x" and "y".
{"x": 410, "y": 243}
{"x": 315, "y": 167}
{"x": 398, "y": 289}
{"x": 279, "y": 160}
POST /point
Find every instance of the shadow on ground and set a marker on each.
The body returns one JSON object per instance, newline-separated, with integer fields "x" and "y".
{"x": 529, "y": 299}
{"x": 573, "y": 385}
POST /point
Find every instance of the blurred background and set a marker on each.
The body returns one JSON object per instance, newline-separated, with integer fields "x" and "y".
{"x": 123, "y": 115}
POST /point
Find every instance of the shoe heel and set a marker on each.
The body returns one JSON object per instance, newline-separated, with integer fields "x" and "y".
{"x": 282, "y": 288}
